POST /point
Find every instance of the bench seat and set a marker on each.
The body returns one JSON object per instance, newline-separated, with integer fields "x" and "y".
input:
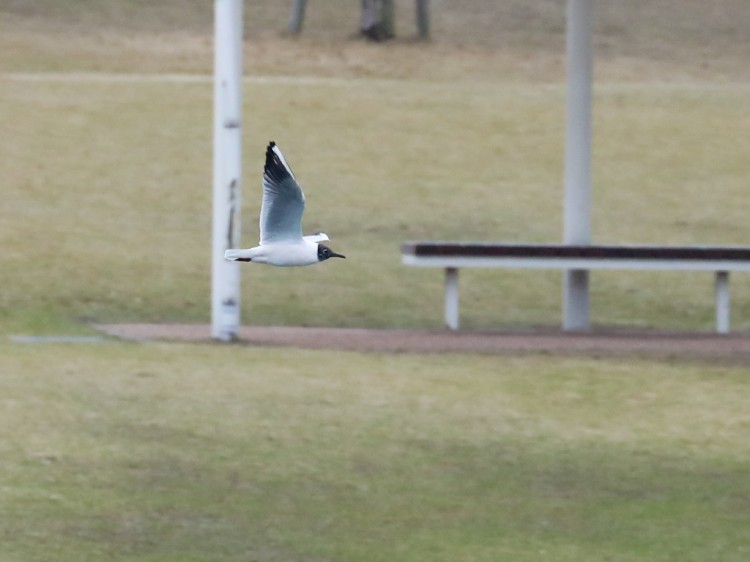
{"x": 455, "y": 255}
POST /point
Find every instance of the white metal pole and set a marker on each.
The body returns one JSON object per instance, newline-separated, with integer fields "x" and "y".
{"x": 577, "y": 213}
{"x": 227, "y": 168}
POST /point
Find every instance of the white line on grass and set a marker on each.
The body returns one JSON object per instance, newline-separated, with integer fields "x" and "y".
{"x": 171, "y": 78}
{"x": 114, "y": 77}
{"x": 57, "y": 339}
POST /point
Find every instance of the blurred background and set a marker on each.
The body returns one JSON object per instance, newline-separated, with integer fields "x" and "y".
{"x": 643, "y": 40}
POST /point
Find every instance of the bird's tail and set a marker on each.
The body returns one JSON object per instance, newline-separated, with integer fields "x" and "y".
{"x": 238, "y": 255}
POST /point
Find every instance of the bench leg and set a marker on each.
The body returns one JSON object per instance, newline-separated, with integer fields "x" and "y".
{"x": 451, "y": 298}
{"x": 722, "y": 302}
{"x": 576, "y": 300}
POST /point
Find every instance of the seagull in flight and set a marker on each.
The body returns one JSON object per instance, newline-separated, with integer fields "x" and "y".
{"x": 281, "y": 241}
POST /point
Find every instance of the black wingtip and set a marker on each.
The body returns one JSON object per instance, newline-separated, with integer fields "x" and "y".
{"x": 269, "y": 150}
{"x": 274, "y": 168}
{"x": 270, "y": 156}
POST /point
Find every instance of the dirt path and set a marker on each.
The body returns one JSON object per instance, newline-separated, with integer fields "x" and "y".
{"x": 733, "y": 348}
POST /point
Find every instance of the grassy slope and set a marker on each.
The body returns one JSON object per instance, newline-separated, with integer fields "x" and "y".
{"x": 176, "y": 452}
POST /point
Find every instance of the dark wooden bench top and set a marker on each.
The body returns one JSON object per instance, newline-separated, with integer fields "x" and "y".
{"x": 637, "y": 252}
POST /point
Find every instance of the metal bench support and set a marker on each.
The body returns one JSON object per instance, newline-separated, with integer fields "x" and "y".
{"x": 576, "y": 300}
{"x": 451, "y": 297}
{"x": 577, "y": 261}
{"x": 722, "y": 302}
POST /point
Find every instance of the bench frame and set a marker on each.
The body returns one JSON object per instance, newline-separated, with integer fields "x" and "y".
{"x": 452, "y": 256}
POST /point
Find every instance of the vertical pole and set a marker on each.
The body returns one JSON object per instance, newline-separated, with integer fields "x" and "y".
{"x": 577, "y": 214}
{"x": 722, "y": 302}
{"x": 451, "y": 298}
{"x": 227, "y": 168}
{"x": 298, "y": 17}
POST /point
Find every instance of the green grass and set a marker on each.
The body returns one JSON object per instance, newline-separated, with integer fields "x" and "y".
{"x": 167, "y": 452}
{"x": 185, "y": 452}
{"x": 108, "y": 191}
{"x": 107, "y": 185}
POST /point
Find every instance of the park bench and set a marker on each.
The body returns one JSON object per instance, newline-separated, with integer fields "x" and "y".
{"x": 452, "y": 256}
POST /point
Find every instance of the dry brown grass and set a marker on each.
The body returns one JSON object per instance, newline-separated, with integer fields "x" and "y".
{"x": 660, "y": 177}
{"x": 479, "y": 39}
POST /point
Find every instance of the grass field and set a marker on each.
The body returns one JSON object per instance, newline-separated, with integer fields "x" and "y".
{"x": 107, "y": 181}
{"x": 196, "y": 452}
{"x": 160, "y": 452}
{"x": 110, "y": 192}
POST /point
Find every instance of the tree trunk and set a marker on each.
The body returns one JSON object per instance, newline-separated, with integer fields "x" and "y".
{"x": 423, "y": 19}
{"x": 378, "y": 19}
{"x": 389, "y": 18}
{"x": 298, "y": 17}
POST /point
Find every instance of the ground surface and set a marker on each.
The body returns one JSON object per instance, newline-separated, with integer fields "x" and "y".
{"x": 731, "y": 348}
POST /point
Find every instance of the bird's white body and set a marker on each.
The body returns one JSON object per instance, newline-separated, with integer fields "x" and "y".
{"x": 281, "y": 241}
{"x": 281, "y": 254}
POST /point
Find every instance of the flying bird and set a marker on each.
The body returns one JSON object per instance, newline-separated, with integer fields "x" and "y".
{"x": 281, "y": 241}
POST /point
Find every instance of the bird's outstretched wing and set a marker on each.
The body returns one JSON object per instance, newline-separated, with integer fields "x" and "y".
{"x": 283, "y": 200}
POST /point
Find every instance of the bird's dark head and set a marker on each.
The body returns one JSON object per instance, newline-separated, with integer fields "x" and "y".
{"x": 324, "y": 252}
